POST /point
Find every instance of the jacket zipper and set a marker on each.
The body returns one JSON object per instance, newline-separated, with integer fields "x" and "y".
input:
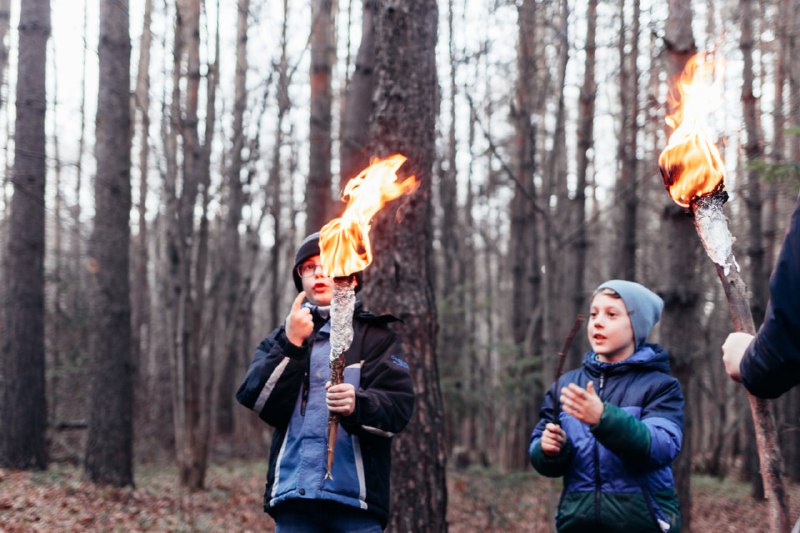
{"x": 597, "y": 480}
{"x": 304, "y": 401}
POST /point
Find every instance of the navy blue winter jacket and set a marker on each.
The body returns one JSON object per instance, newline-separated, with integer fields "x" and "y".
{"x": 771, "y": 364}
{"x": 617, "y": 474}
{"x": 285, "y": 387}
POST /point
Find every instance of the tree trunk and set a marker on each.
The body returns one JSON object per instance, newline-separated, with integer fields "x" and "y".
{"x": 5, "y": 23}
{"x": 274, "y": 186}
{"x": 400, "y": 280}
{"x": 682, "y": 285}
{"x": 354, "y": 156}
{"x": 187, "y": 248}
{"x": 23, "y": 421}
{"x": 759, "y": 269}
{"x": 232, "y": 325}
{"x": 109, "y": 450}
{"x": 585, "y": 132}
{"x": 319, "y": 204}
{"x": 626, "y": 187}
{"x": 140, "y": 297}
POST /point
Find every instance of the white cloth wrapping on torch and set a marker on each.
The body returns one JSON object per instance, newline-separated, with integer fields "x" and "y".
{"x": 342, "y": 306}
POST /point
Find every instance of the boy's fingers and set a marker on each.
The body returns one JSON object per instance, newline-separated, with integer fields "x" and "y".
{"x": 590, "y": 387}
{"x": 298, "y": 301}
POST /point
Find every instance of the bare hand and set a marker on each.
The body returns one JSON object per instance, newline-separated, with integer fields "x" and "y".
{"x": 553, "y": 440}
{"x": 583, "y": 404}
{"x": 732, "y": 352}
{"x": 299, "y": 323}
{"x": 341, "y": 398}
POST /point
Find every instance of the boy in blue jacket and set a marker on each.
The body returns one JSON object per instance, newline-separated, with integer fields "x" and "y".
{"x": 620, "y": 425}
{"x": 769, "y": 363}
{"x": 286, "y": 385}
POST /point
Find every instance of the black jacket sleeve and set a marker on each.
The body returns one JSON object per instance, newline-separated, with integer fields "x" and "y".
{"x": 771, "y": 364}
{"x": 274, "y": 379}
{"x": 385, "y": 397}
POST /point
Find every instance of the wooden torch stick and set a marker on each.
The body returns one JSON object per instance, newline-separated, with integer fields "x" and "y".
{"x": 342, "y": 306}
{"x": 713, "y": 231}
{"x": 562, "y": 357}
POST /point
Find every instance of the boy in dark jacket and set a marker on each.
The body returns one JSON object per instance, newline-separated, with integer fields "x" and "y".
{"x": 620, "y": 425}
{"x": 769, "y": 363}
{"x": 287, "y": 386}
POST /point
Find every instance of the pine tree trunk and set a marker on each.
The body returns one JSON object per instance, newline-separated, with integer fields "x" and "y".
{"x": 140, "y": 297}
{"x": 626, "y": 187}
{"x": 323, "y": 58}
{"x": 399, "y": 281}
{"x": 585, "y": 132}
{"x": 23, "y": 420}
{"x": 109, "y": 450}
{"x": 5, "y": 23}
{"x": 232, "y": 290}
{"x": 682, "y": 284}
{"x": 355, "y": 119}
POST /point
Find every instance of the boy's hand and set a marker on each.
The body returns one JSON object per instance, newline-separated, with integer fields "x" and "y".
{"x": 553, "y": 440}
{"x": 341, "y": 398}
{"x": 299, "y": 323}
{"x": 732, "y": 352}
{"x": 583, "y": 404}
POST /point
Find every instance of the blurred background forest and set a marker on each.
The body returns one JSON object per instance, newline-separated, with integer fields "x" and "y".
{"x": 162, "y": 159}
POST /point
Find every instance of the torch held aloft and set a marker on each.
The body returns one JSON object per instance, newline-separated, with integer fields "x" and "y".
{"x": 713, "y": 231}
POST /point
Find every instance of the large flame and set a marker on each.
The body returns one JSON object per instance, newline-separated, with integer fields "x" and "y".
{"x": 691, "y": 165}
{"x": 344, "y": 242}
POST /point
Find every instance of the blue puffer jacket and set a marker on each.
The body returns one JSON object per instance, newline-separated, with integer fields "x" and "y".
{"x": 285, "y": 387}
{"x": 617, "y": 474}
{"x": 771, "y": 364}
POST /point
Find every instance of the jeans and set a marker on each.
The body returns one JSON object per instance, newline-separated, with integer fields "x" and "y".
{"x": 328, "y": 520}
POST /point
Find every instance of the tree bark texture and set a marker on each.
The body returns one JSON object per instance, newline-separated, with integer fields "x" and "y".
{"x": 585, "y": 133}
{"x": 140, "y": 295}
{"x": 759, "y": 269}
{"x": 5, "y": 23}
{"x": 354, "y": 155}
{"x": 626, "y": 187}
{"x": 23, "y": 421}
{"x": 109, "y": 449}
{"x": 682, "y": 303}
{"x": 400, "y": 279}
{"x": 233, "y": 293}
{"x": 677, "y": 228}
{"x": 319, "y": 204}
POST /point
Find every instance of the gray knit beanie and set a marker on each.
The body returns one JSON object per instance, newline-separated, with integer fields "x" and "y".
{"x": 643, "y": 305}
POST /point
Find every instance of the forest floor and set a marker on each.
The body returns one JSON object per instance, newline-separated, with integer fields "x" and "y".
{"x": 60, "y": 499}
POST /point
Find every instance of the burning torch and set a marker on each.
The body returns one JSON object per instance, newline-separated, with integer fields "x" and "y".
{"x": 694, "y": 174}
{"x": 345, "y": 250}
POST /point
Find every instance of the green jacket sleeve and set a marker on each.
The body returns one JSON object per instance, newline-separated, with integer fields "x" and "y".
{"x": 552, "y": 466}
{"x": 623, "y": 434}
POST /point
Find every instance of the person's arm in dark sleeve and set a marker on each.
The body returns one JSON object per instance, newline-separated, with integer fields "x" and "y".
{"x": 771, "y": 364}
{"x": 274, "y": 378}
{"x": 385, "y": 397}
{"x": 652, "y": 441}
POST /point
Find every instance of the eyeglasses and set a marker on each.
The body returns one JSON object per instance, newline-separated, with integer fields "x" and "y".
{"x": 307, "y": 270}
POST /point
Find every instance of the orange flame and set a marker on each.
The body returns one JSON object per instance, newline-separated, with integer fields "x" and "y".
{"x": 344, "y": 242}
{"x": 691, "y": 165}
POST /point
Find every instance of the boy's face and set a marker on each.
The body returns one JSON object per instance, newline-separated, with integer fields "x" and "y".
{"x": 318, "y": 287}
{"x": 609, "y": 329}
